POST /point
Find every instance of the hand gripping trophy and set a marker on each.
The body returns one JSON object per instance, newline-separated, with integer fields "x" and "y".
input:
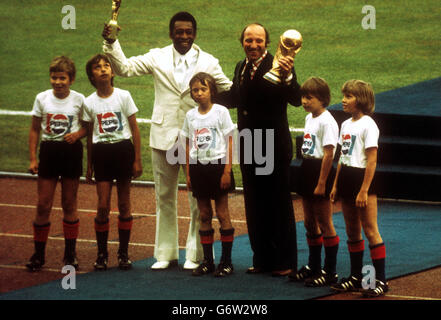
{"x": 113, "y": 24}
{"x": 289, "y": 45}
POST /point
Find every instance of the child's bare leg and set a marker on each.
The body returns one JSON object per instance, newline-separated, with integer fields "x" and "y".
{"x": 310, "y": 220}
{"x": 206, "y": 214}
{"x": 69, "y": 189}
{"x": 323, "y": 213}
{"x": 352, "y": 220}
{"x": 123, "y": 190}
{"x": 46, "y": 191}
{"x": 103, "y": 189}
{"x": 369, "y": 221}
{"x": 222, "y": 212}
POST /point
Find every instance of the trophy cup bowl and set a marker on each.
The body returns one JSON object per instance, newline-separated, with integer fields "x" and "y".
{"x": 289, "y": 45}
{"x": 113, "y": 24}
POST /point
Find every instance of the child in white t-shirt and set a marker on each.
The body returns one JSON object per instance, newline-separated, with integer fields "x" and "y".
{"x": 355, "y": 185}
{"x": 111, "y": 114}
{"x": 315, "y": 182}
{"x": 57, "y": 115}
{"x": 207, "y": 129}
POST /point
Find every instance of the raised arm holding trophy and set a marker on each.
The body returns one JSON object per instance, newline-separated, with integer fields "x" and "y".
{"x": 171, "y": 68}
{"x": 113, "y": 24}
{"x": 262, "y": 107}
{"x": 289, "y": 45}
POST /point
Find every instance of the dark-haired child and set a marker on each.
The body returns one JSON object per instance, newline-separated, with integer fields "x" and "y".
{"x": 319, "y": 142}
{"x": 208, "y": 129}
{"x": 111, "y": 113}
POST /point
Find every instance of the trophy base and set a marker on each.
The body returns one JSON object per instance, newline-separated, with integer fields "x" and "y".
{"x": 114, "y": 28}
{"x": 272, "y": 77}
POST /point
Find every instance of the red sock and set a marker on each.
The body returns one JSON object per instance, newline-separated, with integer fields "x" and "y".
{"x": 207, "y": 239}
{"x": 41, "y": 232}
{"x": 227, "y": 238}
{"x": 378, "y": 255}
{"x": 102, "y": 233}
{"x": 124, "y": 229}
{"x": 315, "y": 243}
{"x": 356, "y": 250}
{"x": 71, "y": 229}
{"x": 331, "y": 249}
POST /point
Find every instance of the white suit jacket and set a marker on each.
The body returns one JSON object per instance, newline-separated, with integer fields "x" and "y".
{"x": 171, "y": 103}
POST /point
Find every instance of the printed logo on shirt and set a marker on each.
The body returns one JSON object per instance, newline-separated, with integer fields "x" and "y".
{"x": 205, "y": 138}
{"x": 308, "y": 144}
{"x": 348, "y": 144}
{"x": 58, "y": 123}
{"x": 109, "y": 122}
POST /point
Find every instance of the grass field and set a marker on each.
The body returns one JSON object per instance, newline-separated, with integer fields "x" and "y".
{"x": 403, "y": 49}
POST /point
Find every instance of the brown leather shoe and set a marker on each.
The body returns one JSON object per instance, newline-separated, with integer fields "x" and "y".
{"x": 255, "y": 270}
{"x": 281, "y": 273}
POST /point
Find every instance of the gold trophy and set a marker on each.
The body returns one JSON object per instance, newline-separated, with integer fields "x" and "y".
{"x": 289, "y": 45}
{"x": 113, "y": 24}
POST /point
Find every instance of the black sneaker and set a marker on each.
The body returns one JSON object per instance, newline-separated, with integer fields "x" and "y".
{"x": 72, "y": 261}
{"x": 351, "y": 284}
{"x": 124, "y": 262}
{"x": 204, "y": 268}
{"x": 223, "y": 269}
{"x": 380, "y": 289}
{"x": 304, "y": 273}
{"x": 101, "y": 262}
{"x": 321, "y": 279}
{"x": 35, "y": 263}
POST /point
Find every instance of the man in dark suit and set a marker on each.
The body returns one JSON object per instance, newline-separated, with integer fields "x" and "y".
{"x": 262, "y": 106}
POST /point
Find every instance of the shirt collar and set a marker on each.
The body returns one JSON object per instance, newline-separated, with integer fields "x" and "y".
{"x": 188, "y": 57}
{"x": 258, "y": 61}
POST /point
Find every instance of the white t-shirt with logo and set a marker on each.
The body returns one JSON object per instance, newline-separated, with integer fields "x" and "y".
{"x": 319, "y": 132}
{"x": 110, "y": 116}
{"x": 58, "y": 116}
{"x": 207, "y": 132}
{"x": 355, "y": 138}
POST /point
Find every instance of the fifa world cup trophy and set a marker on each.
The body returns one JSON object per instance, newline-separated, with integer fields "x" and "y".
{"x": 113, "y": 24}
{"x": 289, "y": 45}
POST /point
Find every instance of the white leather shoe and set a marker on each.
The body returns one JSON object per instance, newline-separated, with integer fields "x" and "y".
{"x": 190, "y": 265}
{"x": 162, "y": 265}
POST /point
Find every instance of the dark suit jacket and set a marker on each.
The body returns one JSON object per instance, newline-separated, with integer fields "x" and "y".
{"x": 268, "y": 205}
{"x": 263, "y": 105}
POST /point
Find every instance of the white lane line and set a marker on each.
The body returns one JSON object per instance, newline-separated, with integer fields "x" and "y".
{"x": 10, "y": 266}
{"x": 94, "y": 211}
{"x": 78, "y": 240}
{"x": 409, "y": 297}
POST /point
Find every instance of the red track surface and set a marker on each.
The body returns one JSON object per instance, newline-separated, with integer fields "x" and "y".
{"x": 18, "y": 198}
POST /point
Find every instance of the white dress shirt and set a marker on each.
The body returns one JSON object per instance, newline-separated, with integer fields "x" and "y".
{"x": 184, "y": 66}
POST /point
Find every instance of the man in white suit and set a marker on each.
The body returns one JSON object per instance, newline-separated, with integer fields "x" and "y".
{"x": 172, "y": 68}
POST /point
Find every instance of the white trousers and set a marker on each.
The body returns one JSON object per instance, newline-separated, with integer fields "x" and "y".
{"x": 166, "y": 192}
